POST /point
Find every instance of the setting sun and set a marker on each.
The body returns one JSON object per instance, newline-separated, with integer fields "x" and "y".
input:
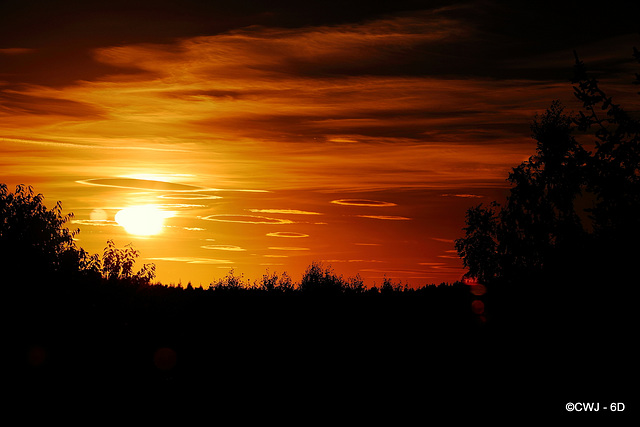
{"x": 145, "y": 220}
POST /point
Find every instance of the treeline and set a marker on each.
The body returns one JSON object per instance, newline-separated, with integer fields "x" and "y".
{"x": 318, "y": 279}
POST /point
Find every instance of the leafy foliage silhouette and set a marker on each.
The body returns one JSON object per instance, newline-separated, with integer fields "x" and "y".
{"x": 571, "y": 213}
{"x": 117, "y": 264}
{"x": 36, "y": 245}
{"x": 34, "y": 241}
{"x": 558, "y": 258}
{"x": 272, "y": 282}
{"x": 230, "y": 283}
{"x": 321, "y": 279}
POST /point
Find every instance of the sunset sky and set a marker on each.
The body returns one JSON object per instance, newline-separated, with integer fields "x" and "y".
{"x": 266, "y": 135}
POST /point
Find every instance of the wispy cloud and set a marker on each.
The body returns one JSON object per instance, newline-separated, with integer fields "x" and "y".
{"x": 95, "y": 222}
{"x": 246, "y": 219}
{"x": 64, "y": 143}
{"x": 440, "y": 239}
{"x": 287, "y": 248}
{"x": 288, "y": 234}
{"x": 230, "y": 248}
{"x": 140, "y": 184}
{"x": 386, "y": 217}
{"x": 284, "y": 211}
{"x": 463, "y": 195}
{"x": 16, "y": 51}
{"x": 362, "y": 202}
{"x": 193, "y": 260}
{"x": 333, "y": 261}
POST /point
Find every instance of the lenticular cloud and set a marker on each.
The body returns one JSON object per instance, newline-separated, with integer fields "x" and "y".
{"x": 289, "y": 234}
{"x": 362, "y": 202}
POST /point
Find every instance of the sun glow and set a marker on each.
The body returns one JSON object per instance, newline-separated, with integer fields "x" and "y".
{"x": 145, "y": 220}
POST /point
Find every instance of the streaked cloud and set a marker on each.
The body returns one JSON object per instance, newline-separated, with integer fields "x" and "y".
{"x": 230, "y": 248}
{"x": 466, "y": 196}
{"x": 87, "y": 144}
{"x": 362, "y": 202}
{"x": 440, "y": 239}
{"x": 386, "y": 217}
{"x": 94, "y": 222}
{"x": 189, "y": 196}
{"x": 284, "y": 211}
{"x": 288, "y": 248}
{"x": 246, "y": 219}
{"x": 140, "y": 184}
{"x": 193, "y": 260}
{"x": 288, "y": 234}
{"x": 16, "y": 51}
{"x": 337, "y": 261}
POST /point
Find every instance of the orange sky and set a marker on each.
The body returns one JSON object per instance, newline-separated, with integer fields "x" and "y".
{"x": 271, "y": 147}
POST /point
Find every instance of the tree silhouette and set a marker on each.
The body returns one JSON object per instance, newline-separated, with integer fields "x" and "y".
{"x": 320, "y": 279}
{"x": 231, "y": 283}
{"x": 616, "y": 163}
{"x": 570, "y": 213}
{"x": 478, "y": 249}
{"x": 35, "y": 245}
{"x": 34, "y": 240}
{"x": 271, "y": 282}
{"x": 540, "y": 217}
{"x": 117, "y": 264}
